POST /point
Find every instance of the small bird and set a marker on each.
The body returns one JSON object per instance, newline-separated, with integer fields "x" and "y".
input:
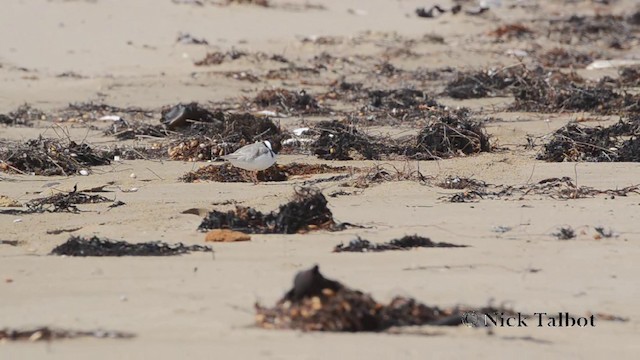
{"x": 253, "y": 157}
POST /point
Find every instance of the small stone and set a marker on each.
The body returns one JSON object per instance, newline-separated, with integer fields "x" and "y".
{"x": 224, "y": 235}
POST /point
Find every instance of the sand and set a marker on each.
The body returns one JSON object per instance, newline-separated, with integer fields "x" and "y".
{"x": 201, "y": 306}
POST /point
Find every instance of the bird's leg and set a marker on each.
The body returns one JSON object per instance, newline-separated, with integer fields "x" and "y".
{"x": 255, "y": 177}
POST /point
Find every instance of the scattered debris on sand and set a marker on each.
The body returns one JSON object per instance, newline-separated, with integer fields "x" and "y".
{"x": 556, "y": 188}
{"x": 218, "y": 57}
{"x": 47, "y": 156}
{"x": 450, "y": 133}
{"x": 539, "y": 90}
{"x": 574, "y": 142}
{"x": 565, "y": 233}
{"x": 306, "y": 212}
{"x": 95, "y": 246}
{"x": 566, "y": 58}
{"x": 338, "y": 141}
{"x": 316, "y": 303}
{"x": 46, "y": 333}
{"x": 228, "y": 173}
{"x": 404, "y": 243}
{"x": 459, "y": 183}
{"x": 385, "y": 173}
{"x": 513, "y": 31}
{"x": 607, "y": 30}
{"x": 287, "y": 101}
{"x": 62, "y": 202}
{"x": 484, "y": 83}
{"x": 65, "y": 202}
{"x": 24, "y": 115}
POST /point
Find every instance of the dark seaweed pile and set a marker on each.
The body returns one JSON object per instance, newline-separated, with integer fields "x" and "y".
{"x": 316, "y": 303}
{"x": 95, "y": 246}
{"x": 46, "y": 156}
{"x": 307, "y": 211}
{"x": 449, "y": 133}
{"x": 338, "y": 141}
{"x": 573, "y": 142}
{"x": 288, "y": 101}
{"x": 479, "y": 84}
{"x": 404, "y": 243}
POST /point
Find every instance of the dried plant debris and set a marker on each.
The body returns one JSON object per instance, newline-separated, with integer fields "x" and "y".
{"x": 556, "y": 188}
{"x": 217, "y": 58}
{"x": 316, "y": 303}
{"x": 65, "y": 202}
{"x": 565, "y": 233}
{"x": 539, "y": 90}
{"x": 228, "y": 173}
{"x": 128, "y": 130}
{"x": 450, "y": 133}
{"x": 480, "y": 84}
{"x": 611, "y": 30}
{"x": 307, "y": 211}
{"x": 459, "y": 183}
{"x": 513, "y": 31}
{"x": 400, "y": 99}
{"x": 24, "y": 115}
{"x": 193, "y": 119}
{"x": 404, "y": 243}
{"x": 90, "y": 110}
{"x": 566, "y": 58}
{"x": 183, "y": 115}
{"x": 95, "y": 246}
{"x": 338, "y": 141}
{"x": 379, "y": 174}
{"x": 629, "y": 76}
{"x": 573, "y": 142}
{"x": 46, "y": 333}
{"x": 47, "y": 156}
{"x": 61, "y": 202}
{"x": 288, "y": 101}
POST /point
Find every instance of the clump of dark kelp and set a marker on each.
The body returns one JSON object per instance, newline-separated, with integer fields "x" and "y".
{"x": 95, "y": 246}
{"x": 316, "y": 303}
{"x": 448, "y": 133}
{"x": 574, "y": 142}
{"x": 24, "y": 115}
{"x": 49, "y": 156}
{"x": 286, "y": 101}
{"x": 306, "y": 212}
{"x": 229, "y": 173}
{"x": 404, "y": 243}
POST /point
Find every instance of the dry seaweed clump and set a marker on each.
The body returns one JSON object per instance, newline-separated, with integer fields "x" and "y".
{"x": 24, "y": 115}
{"x": 565, "y": 58}
{"x": 573, "y": 142}
{"x": 450, "y": 133}
{"x": 612, "y": 30}
{"x": 307, "y": 211}
{"x": 542, "y": 91}
{"x": 229, "y": 173}
{"x": 48, "y": 157}
{"x": 288, "y": 101}
{"x": 338, "y": 141}
{"x": 404, "y": 243}
{"x": 45, "y": 333}
{"x": 468, "y": 85}
{"x": 95, "y": 246}
{"x": 316, "y": 303}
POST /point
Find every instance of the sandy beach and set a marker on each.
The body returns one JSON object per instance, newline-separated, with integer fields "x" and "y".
{"x": 201, "y": 305}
